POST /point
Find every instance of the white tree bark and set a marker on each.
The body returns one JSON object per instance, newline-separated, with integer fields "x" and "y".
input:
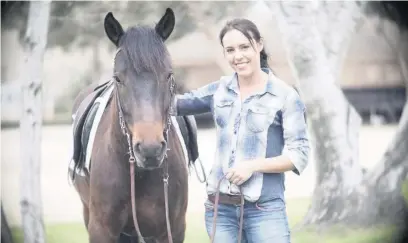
{"x": 31, "y": 120}
{"x": 344, "y": 17}
{"x": 315, "y": 54}
{"x": 342, "y": 193}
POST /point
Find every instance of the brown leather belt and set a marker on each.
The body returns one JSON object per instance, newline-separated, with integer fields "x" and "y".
{"x": 226, "y": 199}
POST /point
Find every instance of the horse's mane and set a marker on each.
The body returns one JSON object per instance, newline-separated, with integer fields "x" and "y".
{"x": 146, "y": 50}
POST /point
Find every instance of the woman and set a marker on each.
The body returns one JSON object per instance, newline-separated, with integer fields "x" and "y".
{"x": 261, "y": 133}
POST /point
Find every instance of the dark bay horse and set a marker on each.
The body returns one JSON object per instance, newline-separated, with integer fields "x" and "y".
{"x": 135, "y": 130}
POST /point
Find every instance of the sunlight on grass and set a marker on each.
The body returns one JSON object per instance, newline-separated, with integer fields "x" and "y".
{"x": 343, "y": 235}
{"x": 196, "y": 233}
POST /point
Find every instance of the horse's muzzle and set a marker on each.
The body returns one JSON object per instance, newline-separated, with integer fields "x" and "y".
{"x": 150, "y": 155}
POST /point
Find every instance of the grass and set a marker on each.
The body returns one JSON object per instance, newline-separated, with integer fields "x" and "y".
{"x": 196, "y": 233}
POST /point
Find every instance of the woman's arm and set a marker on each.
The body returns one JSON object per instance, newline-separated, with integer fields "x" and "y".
{"x": 278, "y": 164}
{"x": 295, "y": 153}
{"x": 296, "y": 148}
{"x": 195, "y": 102}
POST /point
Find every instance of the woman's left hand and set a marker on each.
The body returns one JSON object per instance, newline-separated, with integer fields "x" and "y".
{"x": 240, "y": 172}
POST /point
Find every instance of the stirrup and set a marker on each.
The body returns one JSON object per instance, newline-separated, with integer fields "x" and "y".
{"x": 202, "y": 169}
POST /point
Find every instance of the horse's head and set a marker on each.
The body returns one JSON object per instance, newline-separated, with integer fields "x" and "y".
{"x": 144, "y": 79}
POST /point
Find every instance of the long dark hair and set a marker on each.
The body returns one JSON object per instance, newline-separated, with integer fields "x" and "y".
{"x": 249, "y": 29}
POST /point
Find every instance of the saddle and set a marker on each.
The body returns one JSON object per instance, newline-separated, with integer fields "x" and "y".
{"x": 82, "y": 123}
{"x": 84, "y": 119}
{"x": 188, "y": 128}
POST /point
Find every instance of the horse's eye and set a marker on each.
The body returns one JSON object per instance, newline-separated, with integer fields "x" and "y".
{"x": 116, "y": 78}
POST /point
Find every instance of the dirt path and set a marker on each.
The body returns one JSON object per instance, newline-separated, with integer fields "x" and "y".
{"x": 61, "y": 204}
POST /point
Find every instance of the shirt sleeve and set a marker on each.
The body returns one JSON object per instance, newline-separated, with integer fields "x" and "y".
{"x": 295, "y": 132}
{"x": 195, "y": 102}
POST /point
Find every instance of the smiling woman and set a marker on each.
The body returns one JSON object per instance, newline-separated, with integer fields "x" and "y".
{"x": 261, "y": 133}
{"x": 242, "y": 34}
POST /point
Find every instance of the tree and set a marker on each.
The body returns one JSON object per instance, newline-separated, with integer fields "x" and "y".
{"x": 34, "y": 44}
{"x": 342, "y": 192}
{"x": 334, "y": 123}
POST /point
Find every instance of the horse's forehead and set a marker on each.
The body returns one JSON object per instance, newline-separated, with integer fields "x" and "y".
{"x": 146, "y": 57}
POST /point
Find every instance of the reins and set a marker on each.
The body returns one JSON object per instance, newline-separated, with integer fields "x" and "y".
{"x": 241, "y": 220}
{"x": 132, "y": 162}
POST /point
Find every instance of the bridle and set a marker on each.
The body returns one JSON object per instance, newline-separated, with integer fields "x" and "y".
{"x": 132, "y": 160}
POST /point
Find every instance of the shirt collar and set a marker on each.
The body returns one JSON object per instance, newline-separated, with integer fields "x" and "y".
{"x": 269, "y": 87}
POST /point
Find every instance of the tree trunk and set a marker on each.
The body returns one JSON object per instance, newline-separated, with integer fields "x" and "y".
{"x": 385, "y": 180}
{"x": 31, "y": 121}
{"x": 341, "y": 193}
{"x": 334, "y": 124}
{"x": 345, "y": 17}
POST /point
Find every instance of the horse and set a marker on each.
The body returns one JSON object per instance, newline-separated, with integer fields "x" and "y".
{"x": 138, "y": 172}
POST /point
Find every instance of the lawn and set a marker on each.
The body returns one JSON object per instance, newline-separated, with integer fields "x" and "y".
{"x": 75, "y": 232}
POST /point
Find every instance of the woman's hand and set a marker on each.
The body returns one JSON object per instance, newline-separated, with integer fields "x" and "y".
{"x": 241, "y": 172}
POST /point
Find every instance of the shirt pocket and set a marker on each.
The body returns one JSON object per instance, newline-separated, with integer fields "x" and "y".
{"x": 258, "y": 118}
{"x": 222, "y": 112}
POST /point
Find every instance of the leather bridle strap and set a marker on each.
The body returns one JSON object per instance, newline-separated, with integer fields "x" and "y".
{"x": 132, "y": 161}
{"x": 241, "y": 218}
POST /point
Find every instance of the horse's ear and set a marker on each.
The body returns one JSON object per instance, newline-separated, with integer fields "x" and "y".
{"x": 166, "y": 24}
{"x": 113, "y": 29}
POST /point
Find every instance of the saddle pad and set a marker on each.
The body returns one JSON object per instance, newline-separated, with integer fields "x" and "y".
{"x": 102, "y": 100}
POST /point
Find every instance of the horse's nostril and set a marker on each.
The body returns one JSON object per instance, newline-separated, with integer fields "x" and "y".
{"x": 150, "y": 150}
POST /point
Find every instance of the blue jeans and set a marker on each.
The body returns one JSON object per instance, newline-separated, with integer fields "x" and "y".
{"x": 264, "y": 222}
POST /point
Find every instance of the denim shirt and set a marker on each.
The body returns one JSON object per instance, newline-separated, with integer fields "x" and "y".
{"x": 266, "y": 124}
